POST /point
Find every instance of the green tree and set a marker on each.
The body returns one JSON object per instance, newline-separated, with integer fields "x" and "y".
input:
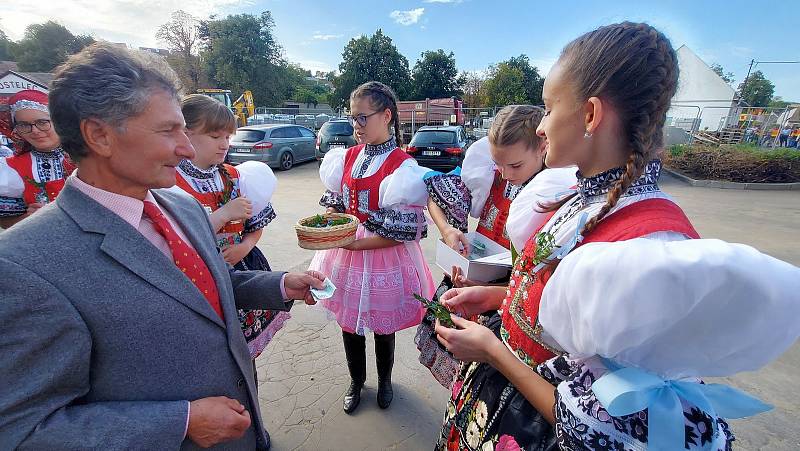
{"x": 756, "y": 90}
{"x": 728, "y": 77}
{"x": 5, "y": 47}
{"x": 473, "y": 84}
{"x": 778, "y": 102}
{"x": 435, "y": 76}
{"x": 47, "y": 45}
{"x": 302, "y": 88}
{"x": 505, "y": 86}
{"x": 181, "y": 35}
{"x": 371, "y": 58}
{"x": 239, "y": 52}
{"x": 514, "y": 81}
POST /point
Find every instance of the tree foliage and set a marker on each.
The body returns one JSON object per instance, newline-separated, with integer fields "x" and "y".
{"x": 369, "y": 58}
{"x": 46, "y": 45}
{"x": 756, "y": 90}
{"x": 239, "y": 52}
{"x": 435, "y": 76}
{"x": 181, "y": 36}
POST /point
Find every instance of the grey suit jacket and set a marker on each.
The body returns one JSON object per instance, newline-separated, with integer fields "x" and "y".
{"x": 104, "y": 340}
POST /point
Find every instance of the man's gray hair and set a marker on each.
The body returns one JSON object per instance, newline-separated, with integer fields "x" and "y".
{"x": 105, "y": 82}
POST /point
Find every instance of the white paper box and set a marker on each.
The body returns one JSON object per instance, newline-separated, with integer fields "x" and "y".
{"x": 495, "y": 264}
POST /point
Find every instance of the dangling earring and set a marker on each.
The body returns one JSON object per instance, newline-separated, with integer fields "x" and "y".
{"x": 587, "y": 134}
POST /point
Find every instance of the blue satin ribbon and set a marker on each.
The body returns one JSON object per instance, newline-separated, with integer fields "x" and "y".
{"x": 624, "y": 391}
{"x": 432, "y": 173}
{"x": 562, "y": 194}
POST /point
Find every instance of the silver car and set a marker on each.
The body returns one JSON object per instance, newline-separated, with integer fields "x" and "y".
{"x": 278, "y": 145}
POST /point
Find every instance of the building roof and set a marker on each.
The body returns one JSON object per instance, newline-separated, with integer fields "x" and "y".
{"x": 6, "y": 66}
{"x": 42, "y": 78}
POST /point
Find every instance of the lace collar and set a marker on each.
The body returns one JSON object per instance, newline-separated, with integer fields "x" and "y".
{"x": 55, "y": 154}
{"x": 594, "y": 189}
{"x": 193, "y": 171}
{"x": 379, "y": 149}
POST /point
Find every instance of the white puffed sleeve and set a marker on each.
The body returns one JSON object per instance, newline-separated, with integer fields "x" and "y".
{"x": 404, "y": 187}
{"x": 331, "y": 170}
{"x": 477, "y": 172}
{"x": 525, "y": 216}
{"x": 11, "y": 184}
{"x": 257, "y": 183}
{"x": 690, "y": 308}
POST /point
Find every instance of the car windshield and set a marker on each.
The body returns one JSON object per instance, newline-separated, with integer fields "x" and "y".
{"x": 248, "y": 136}
{"x": 431, "y": 137}
{"x": 337, "y": 129}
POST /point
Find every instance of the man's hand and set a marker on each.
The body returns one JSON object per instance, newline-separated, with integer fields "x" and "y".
{"x": 216, "y": 420}
{"x": 297, "y": 285}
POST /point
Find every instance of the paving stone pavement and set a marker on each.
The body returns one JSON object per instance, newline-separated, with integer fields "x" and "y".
{"x": 303, "y": 375}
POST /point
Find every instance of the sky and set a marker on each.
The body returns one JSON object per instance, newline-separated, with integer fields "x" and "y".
{"x": 479, "y": 33}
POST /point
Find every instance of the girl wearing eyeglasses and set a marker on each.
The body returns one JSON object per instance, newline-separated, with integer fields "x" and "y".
{"x": 378, "y": 274}
{"x": 36, "y": 173}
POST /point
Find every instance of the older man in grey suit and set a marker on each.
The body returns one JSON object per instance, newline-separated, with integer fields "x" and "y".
{"x": 118, "y": 313}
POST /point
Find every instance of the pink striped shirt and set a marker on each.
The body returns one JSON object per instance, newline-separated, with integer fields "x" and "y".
{"x": 131, "y": 210}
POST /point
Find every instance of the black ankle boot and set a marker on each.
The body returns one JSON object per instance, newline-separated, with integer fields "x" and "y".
{"x": 356, "y": 353}
{"x": 384, "y": 360}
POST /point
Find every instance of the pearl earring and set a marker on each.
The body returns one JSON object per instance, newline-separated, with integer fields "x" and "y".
{"x": 587, "y": 135}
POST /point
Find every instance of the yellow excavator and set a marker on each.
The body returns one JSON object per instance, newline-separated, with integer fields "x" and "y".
{"x": 242, "y": 108}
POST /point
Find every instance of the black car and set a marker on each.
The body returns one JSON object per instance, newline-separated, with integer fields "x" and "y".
{"x": 439, "y": 147}
{"x": 334, "y": 133}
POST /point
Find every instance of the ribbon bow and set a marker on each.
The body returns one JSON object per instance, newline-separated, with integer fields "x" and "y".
{"x": 629, "y": 390}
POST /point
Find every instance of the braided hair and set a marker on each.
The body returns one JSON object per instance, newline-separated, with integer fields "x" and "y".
{"x": 516, "y": 123}
{"x": 380, "y": 97}
{"x": 634, "y": 67}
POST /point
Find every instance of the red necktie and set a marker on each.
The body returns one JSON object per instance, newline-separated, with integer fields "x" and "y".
{"x": 186, "y": 259}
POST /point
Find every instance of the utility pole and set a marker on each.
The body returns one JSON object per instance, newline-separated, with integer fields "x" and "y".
{"x": 756, "y": 63}
{"x": 744, "y": 83}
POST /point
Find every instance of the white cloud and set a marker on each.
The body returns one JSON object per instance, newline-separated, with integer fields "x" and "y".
{"x": 130, "y": 21}
{"x": 325, "y": 37}
{"x": 407, "y": 17}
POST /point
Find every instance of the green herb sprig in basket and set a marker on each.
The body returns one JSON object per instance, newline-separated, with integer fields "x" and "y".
{"x": 320, "y": 221}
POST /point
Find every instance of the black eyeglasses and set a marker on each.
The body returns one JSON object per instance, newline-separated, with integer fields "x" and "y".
{"x": 26, "y": 127}
{"x": 360, "y": 118}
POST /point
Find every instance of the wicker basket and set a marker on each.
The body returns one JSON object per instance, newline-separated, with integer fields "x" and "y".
{"x": 319, "y": 238}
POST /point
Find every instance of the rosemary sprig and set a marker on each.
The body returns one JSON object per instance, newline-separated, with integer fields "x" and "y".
{"x": 437, "y": 310}
{"x": 42, "y": 186}
{"x": 545, "y": 245}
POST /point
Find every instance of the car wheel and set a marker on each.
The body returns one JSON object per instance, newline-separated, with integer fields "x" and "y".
{"x": 287, "y": 161}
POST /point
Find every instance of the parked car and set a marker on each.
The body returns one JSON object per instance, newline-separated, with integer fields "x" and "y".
{"x": 306, "y": 120}
{"x": 321, "y": 119}
{"x": 258, "y": 119}
{"x": 280, "y": 146}
{"x": 334, "y": 133}
{"x": 283, "y": 119}
{"x": 439, "y": 147}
